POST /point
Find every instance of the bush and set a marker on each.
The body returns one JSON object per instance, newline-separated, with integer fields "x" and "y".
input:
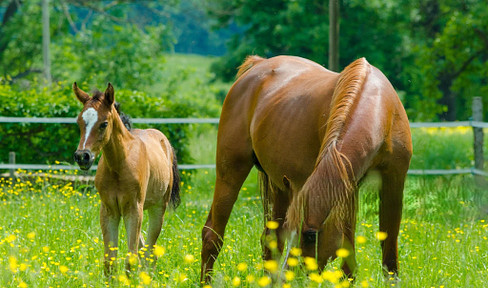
{"x": 46, "y": 143}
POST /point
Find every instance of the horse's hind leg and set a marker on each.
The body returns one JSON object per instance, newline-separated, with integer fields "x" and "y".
{"x": 233, "y": 166}
{"x": 281, "y": 201}
{"x": 391, "y": 197}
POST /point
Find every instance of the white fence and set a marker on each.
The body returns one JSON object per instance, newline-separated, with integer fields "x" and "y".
{"x": 14, "y": 166}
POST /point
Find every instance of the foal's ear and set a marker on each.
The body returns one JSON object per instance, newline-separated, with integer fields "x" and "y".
{"x": 80, "y": 94}
{"x": 109, "y": 95}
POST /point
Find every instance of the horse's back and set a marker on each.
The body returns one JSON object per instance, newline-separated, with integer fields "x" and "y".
{"x": 280, "y": 106}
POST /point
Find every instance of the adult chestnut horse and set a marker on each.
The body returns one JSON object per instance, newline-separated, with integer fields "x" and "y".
{"x": 137, "y": 171}
{"x": 314, "y": 134}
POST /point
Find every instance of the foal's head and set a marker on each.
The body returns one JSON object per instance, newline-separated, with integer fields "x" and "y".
{"x": 95, "y": 122}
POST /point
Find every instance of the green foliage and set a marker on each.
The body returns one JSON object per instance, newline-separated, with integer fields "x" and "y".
{"x": 434, "y": 52}
{"x": 93, "y": 44}
{"x": 127, "y": 56}
{"x": 452, "y": 59}
{"x": 177, "y": 97}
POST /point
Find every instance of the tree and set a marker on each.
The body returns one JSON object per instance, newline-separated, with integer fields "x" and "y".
{"x": 300, "y": 27}
{"x": 334, "y": 35}
{"x": 452, "y": 52}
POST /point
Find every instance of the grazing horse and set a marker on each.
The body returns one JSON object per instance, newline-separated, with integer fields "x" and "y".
{"x": 313, "y": 134}
{"x": 137, "y": 171}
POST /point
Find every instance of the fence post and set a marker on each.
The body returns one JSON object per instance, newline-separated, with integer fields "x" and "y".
{"x": 478, "y": 139}
{"x": 11, "y": 160}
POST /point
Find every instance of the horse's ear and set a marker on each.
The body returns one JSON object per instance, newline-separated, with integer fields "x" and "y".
{"x": 80, "y": 94}
{"x": 109, "y": 94}
{"x": 286, "y": 182}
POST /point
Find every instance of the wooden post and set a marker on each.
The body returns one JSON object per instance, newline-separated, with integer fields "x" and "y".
{"x": 11, "y": 160}
{"x": 334, "y": 35}
{"x": 478, "y": 139}
{"x": 46, "y": 39}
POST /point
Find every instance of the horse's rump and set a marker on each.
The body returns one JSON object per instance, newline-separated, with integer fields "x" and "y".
{"x": 336, "y": 185}
{"x": 248, "y": 64}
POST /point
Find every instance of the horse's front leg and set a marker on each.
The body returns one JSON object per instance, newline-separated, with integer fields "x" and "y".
{"x": 109, "y": 221}
{"x": 133, "y": 222}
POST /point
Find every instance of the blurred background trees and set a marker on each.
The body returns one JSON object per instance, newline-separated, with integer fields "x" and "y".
{"x": 433, "y": 51}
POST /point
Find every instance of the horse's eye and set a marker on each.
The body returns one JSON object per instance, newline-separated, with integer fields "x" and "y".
{"x": 310, "y": 236}
{"x": 104, "y": 125}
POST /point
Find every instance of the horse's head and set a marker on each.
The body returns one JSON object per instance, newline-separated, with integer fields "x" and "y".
{"x": 95, "y": 122}
{"x": 321, "y": 240}
{"x": 316, "y": 226}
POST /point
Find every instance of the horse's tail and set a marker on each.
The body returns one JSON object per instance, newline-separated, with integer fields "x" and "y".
{"x": 250, "y": 61}
{"x": 175, "y": 188}
{"x": 337, "y": 176}
{"x": 346, "y": 92}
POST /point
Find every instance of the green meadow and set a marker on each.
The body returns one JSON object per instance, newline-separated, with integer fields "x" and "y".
{"x": 50, "y": 234}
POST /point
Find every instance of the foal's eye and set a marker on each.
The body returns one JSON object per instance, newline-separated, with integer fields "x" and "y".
{"x": 104, "y": 125}
{"x": 310, "y": 237}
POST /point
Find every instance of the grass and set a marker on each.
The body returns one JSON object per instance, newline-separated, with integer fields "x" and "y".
{"x": 50, "y": 236}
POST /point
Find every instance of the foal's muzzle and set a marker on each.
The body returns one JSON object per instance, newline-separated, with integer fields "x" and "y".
{"x": 84, "y": 158}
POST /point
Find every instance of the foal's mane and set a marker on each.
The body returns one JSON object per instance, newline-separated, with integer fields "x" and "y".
{"x": 126, "y": 120}
{"x": 330, "y": 188}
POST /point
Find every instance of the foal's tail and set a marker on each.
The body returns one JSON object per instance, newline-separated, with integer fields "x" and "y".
{"x": 175, "y": 189}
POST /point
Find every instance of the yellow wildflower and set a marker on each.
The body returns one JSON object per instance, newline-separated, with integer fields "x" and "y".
{"x": 146, "y": 279}
{"x": 242, "y": 267}
{"x": 289, "y": 275}
{"x": 381, "y": 235}
{"x": 63, "y": 269}
{"x": 271, "y": 266}
{"x": 342, "y": 253}
{"x": 189, "y": 258}
{"x": 361, "y": 239}
{"x": 272, "y": 225}
{"x": 236, "y": 281}
{"x": 159, "y": 251}
{"x": 311, "y": 263}
{"x": 264, "y": 281}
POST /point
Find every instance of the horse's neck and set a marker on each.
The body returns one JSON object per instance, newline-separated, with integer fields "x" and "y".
{"x": 116, "y": 150}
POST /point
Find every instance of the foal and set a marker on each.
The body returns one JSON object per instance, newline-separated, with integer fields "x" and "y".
{"x": 137, "y": 171}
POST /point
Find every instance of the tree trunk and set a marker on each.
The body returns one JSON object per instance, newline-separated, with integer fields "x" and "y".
{"x": 334, "y": 35}
{"x": 45, "y": 41}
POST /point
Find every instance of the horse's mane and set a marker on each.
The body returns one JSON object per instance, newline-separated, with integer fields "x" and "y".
{"x": 124, "y": 117}
{"x": 98, "y": 95}
{"x": 331, "y": 185}
{"x": 250, "y": 61}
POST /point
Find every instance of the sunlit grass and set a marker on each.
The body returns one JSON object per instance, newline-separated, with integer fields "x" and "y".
{"x": 443, "y": 148}
{"x": 50, "y": 237}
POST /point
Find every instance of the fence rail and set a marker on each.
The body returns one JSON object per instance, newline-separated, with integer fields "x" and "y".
{"x": 68, "y": 120}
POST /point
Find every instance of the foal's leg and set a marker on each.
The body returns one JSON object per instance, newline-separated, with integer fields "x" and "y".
{"x": 391, "y": 197}
{"x": 109, "y": 221}
{"x": 232, "y": 169}
{"x": 156, "y": 216}
{"x": 133, "y": 222}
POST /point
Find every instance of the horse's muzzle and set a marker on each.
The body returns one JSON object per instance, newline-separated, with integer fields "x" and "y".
{"x": 84, "y": 159}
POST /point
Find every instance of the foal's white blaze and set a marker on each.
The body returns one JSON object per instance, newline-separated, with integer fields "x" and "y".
{"x": 90, "y": 116}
